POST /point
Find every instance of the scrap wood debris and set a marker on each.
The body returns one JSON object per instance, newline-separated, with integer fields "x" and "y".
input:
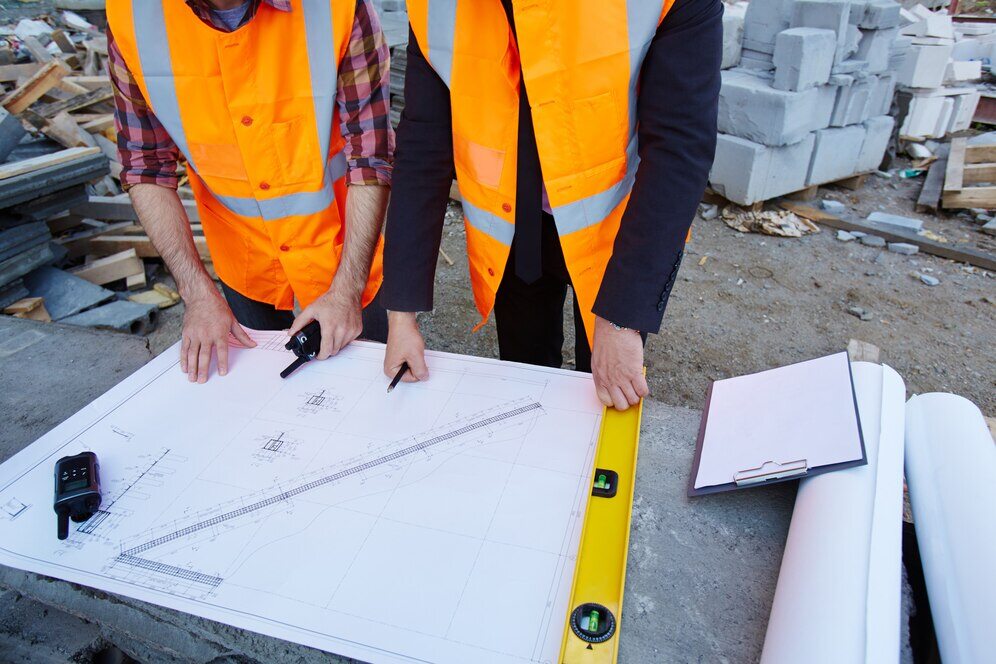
{"x": 70, "y": 248}
{"x": 769, "y": 222}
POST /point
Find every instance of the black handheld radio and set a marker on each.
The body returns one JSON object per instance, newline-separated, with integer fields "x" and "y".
{"x": 77, "y": 489}
{"x": 305, "y": 344}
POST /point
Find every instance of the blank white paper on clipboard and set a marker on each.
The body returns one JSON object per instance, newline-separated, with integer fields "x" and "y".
{"x": 780, "y": 424}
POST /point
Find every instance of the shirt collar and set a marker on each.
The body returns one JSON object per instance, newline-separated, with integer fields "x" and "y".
{"x": 203, "y": 10}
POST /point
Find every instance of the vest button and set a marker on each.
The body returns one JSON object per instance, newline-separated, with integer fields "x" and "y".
{"x": 284, "y": 247}
{"x": 246, "y": 120}
{"x": 491, "y": 272}
{"x": 264, "y": 185}
{"x": 506, "y": 207}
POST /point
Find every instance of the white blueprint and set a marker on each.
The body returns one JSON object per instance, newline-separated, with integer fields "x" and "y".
{"x": 438, "y": 523}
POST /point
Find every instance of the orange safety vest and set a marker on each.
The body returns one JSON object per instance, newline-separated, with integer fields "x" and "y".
{"x": 581, "y": 62}
{"x": 254, "y": 113}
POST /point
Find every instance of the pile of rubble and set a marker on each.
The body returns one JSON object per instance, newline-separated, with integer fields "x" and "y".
{"x": 807, "y": 100}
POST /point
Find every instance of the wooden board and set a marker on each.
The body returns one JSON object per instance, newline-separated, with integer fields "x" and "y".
{"x": 111, "y": 244}
{"x": 979, "y": 173}
{"x": 970, "y": 197}
{"x": 12, "y": 73}
{"x": 32, "y": 89}
{"x": 32, "y": 308}
{"x": 961, "y": 254}
{"x": 75, "y": 103}
{"x": 933, "y": 184}
{"x": 956, "y": 164}
{"x": 44, "y": 161}
{"x": 114, "y": 208}
{"x": 978, "y": 154}
{"x": 102, "y": 271}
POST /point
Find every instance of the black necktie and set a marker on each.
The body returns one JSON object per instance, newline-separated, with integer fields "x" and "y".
{"x": 528, "y": 188}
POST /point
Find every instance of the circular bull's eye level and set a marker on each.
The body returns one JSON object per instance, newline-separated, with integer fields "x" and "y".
{"x": 593, "y": 623}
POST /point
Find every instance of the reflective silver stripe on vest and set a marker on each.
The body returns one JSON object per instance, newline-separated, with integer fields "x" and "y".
{"x": 152, "y": 42}
{"x": 491, "y": 225}
{"x": 642, "y": 17}
{"x": 306, "y": 202}
{"x": 589, "y": 211}
{"x": 441, "y": 29}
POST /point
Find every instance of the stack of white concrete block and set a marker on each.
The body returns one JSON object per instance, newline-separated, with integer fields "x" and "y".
{"x": 944, "y": 97}
{"x": 810, "y": 98}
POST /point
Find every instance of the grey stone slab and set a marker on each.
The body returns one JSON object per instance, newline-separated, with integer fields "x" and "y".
{"x": 20, "y": 265}
{"x": 33, "y": 633}
{"x": 50, "y": 371}
{"x": 119, "y": 315}
{"x": 873, "y": 241}
{"x": 745, "y": 171}
{"x": 896, "y": 221}
{"x": 701, "y": 572}
{"x": 803, "y": 58}
{"x": 12, "y": 292}
{"x": 11, "y": 133}
{"x": 903, "y": 248}
{"x": 750, "y": 108}
{"x": 64, "y": 293}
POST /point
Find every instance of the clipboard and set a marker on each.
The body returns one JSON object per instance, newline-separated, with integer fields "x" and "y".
{"x": 777, "y": 425}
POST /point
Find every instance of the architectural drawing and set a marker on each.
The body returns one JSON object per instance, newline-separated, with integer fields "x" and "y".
{"x": 320, "y": 509}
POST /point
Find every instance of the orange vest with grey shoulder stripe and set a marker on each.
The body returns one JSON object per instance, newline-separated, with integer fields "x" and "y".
{"x": 581, "y": 62}
{"x": 253, "y": 112}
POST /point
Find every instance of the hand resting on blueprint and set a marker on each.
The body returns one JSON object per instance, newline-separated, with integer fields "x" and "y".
{"x": 405, "y": 344}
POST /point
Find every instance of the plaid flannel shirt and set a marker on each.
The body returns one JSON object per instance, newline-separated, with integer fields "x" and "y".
{"x": 148, "y": 154}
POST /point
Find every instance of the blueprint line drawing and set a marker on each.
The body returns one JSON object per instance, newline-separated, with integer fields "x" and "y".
{"x": 321, "y": 510}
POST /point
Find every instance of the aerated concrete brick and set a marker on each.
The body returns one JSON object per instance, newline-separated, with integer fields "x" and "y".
{"x": 763, "y": 21}
{"x": 733, "y": 34}
{"x": 803, "y": 58}
{"x": 880, "y": 102}
{"x": 745, "y": 172}
{"x": 750, "y": 108}
{"x": 825, "y": 14}
{"x": 851, "y": 105}
{"x": 878, "y": 131}
{"x": 924, "y": 66}
{"x": 756, "y": 60}
{"x": 877, "y": 15}
{"x": 875, "y": 47}
{"x": 835, "y": 154}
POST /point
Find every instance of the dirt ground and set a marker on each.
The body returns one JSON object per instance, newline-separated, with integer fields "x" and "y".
{"x": 745, "y": 303}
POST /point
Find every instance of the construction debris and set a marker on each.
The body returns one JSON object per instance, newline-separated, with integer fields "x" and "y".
{"x": 768, "y": 222}
{"x": 927, "y": 279}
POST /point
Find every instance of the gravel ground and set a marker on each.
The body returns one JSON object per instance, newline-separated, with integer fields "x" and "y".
{"x": 745, "y": 303}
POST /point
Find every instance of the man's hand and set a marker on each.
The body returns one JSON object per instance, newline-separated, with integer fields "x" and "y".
{"x": 405, "y": 344}
{"x": 207, "y": 323}
{"x": 341, "y": 319}
{"x": 617, "y": 366}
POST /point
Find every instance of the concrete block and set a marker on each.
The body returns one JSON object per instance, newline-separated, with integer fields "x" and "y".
{"x": 924, "y": 66}
{"x": 64, "y": 293}
{"x": 852, "y": 38}
{"x": 896, "y": 221}
{"x": 929, "y": 24}
{"x": 833, "y": 207}
{"x": 844, "y": 236}
{"x": 763, "y": 21}
{"x": 922, "y": 117}
{"x": 750, "y": 108}
{"x": 880, "y": 102}
{"x": 803, "y": 58}
{"x": 733, "y": 34}
{"x": 756, "y": 60}
{"x": 825, "y": 14}
{"x": 835, "y": 154}
{"x": 903, "y": 248}
{"x": 852, "y": 102}
{"x": 875, "y": 47}
{"x": 900, "y": 49}
{"x": 878, "y": 132}
{"x": 746, "y": 172}
{"x": 879, "y": 15}
{"x": 959, "y": 71}
{"x": 120, "y": 315}
{"x": 857, "y": 67}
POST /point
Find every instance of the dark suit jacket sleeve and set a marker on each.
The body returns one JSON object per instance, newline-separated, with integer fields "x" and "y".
{"x": 423, "y": 173}
{"x": 677, "y": 108}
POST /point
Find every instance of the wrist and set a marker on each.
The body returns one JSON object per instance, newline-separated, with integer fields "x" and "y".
{"x": 402, "y": 318}
{"x": 197, "y": 290}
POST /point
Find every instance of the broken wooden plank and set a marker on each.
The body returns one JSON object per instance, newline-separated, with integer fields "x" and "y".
{"x": 13, "y": 73}
{"x": 63, "y": 41}
{"x": 35, "y": 48}
{"x": 111, "y": 244}
{"x": 979, "y": 173}
{"x": 961, "y": 254}
{"x": 61, "y": 128}
{"x": 933, "y": 183}
{"x": 956, "y": 163}
{"x": 99, "y": 124}
{"x": 75, "y": 103}
{"x": 120, "y": 265}
{"x": 136, "y": 281}
{"x": 43, "y": 80}
{"x": 32, "y": 308}
{"x": 78, "y": 244}
{"x": 90, "y": 82}
{"x": 970, "y": 197}
{"x": 978, "y": 154}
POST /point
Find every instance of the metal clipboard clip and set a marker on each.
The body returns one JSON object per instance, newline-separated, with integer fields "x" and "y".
{"x": 771, "y": 470}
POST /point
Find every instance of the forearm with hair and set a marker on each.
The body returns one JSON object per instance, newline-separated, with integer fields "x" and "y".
{"x": 161, "y": 213}
{"x": 365, "y": 206}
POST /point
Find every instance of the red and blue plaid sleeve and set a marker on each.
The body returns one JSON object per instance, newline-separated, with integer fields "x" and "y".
{"x": 363, "y": 98}
{"x": 147, "y": 153}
